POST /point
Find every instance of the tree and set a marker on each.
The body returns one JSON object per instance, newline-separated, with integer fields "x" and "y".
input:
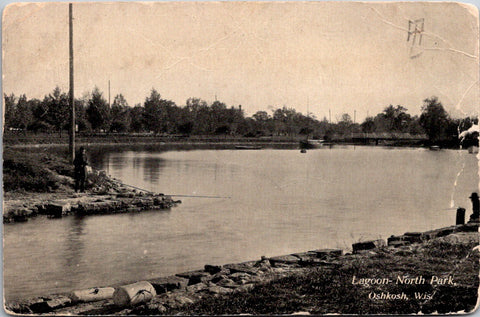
{"x": 119, "y": 114}
{"x": 136, "y": 118}
{"x": 81, "y": 117}
{"x": 158, "y": 113}
{"x": 24, "y": 114}
{"x": 368, "y": 126}
{"x": 152, "y": 113}
{"x": 392, "y": 119}
{"x": 10, "y": 110}
{"x": 345, "y": 124}
{"x": 198, "y": 113}
{"x": 56, "y": 109}
{"x": 98, "y": 111}
{"x": 397, "y": 118}
{"x": 218, "y": 118}
{"x": 434, "y": 119}
{"x": 261, "y": 116}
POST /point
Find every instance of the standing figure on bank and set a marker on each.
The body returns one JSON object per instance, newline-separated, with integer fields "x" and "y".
{"x": 80, "y": 164}
{"x": 475, "y": 207}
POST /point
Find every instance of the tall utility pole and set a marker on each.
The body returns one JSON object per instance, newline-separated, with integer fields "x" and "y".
{"x": 70, "y": 93}
{"x": 109, "y": 93}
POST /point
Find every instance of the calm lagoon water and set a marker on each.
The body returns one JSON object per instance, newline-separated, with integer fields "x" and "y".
{"x": 281, "y": 201}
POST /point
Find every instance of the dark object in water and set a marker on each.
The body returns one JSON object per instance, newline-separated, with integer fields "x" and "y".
{"x": 248, "y": 147}
{"x": 303, "y": 151}
{"x": 434, "y": 148}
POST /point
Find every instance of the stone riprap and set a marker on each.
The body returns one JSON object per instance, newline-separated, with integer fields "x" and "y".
{"x": 181, "y": 289}
{"x": 86, "y": 204}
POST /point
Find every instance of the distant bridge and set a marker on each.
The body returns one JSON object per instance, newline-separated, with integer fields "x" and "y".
{"x": 382, "y": 138}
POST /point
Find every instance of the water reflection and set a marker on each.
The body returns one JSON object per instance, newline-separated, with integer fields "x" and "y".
{"x": 151, "y": 169}
{"x": 74, "y": 244}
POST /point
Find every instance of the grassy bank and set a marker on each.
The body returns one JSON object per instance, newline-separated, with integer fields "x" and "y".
{"x": 438, "y": 275}
{"x": 331, "y": 290}
{"x": 27, "y": 173}
{"x": 35, "y": 171}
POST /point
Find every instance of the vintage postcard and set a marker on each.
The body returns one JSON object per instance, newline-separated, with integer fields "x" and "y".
{"x": 231, "y": 158}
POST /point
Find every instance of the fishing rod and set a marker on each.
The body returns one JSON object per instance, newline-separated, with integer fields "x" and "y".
{"x": 148, "y": 191}
{"x": 175, "y": 195}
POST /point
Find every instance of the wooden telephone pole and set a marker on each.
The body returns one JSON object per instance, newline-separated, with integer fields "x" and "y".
{"x": 70, "y": 93}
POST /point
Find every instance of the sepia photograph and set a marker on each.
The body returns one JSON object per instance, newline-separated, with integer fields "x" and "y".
{"x": 240, "y": 158}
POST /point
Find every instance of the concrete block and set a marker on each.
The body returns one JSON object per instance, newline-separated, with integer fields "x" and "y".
{"x": 58, "y": 209}
{"x": 195, "y": 277}
{"x": 170, "y": 283}
{"x": 285, "y": 259}
{"x": 212, "y": 269}
{"x": 368, "y": 245}
{"x": 242, "y": 267}
{"x": 50, "y": 305}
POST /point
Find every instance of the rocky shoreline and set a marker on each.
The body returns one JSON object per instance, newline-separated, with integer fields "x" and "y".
{"x": 110, "y": 197}
{"x": 174, "y": 293}
{"x": 85, "y": 205}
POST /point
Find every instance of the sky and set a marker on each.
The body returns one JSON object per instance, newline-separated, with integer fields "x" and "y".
{"x": 342, "y": 57}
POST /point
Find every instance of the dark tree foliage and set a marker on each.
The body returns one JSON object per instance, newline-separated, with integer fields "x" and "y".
{"x": 98, "y": 112}
{"x": 119, "y": 114}
{"x": 10, "y": 110}
{"x": 158, "y": 113}
{"x": 57, "y": 107}
{"x": 434, "y": 120}
{"x": 197, "y": 117}
{"x": 136, "y": 115}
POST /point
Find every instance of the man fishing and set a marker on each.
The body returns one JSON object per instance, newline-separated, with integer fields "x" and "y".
{"x": 80, "y": 164}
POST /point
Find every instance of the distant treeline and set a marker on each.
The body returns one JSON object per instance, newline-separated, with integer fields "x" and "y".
{"x": 163, "y": 117}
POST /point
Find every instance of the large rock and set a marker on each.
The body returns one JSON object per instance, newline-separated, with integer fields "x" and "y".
{"x": 241, "y": 277}
{"x": 413, "y": 237}
{"x": 285, "y": 259}
{"x": 212, "y": 269}
{"x": 246, "y": 267}
{"x": 226, "y": 282}
{"x": 58, "y": 208}
{"x": 468, "y": 227}
{"x": 459, "y": 238}
{"x": 170, "y": 283}
{"x": 50, "y": 304}
{"x": 368, "y": 245}
{"x": 195, "y": 277}
{"x": 197, "y": 287}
